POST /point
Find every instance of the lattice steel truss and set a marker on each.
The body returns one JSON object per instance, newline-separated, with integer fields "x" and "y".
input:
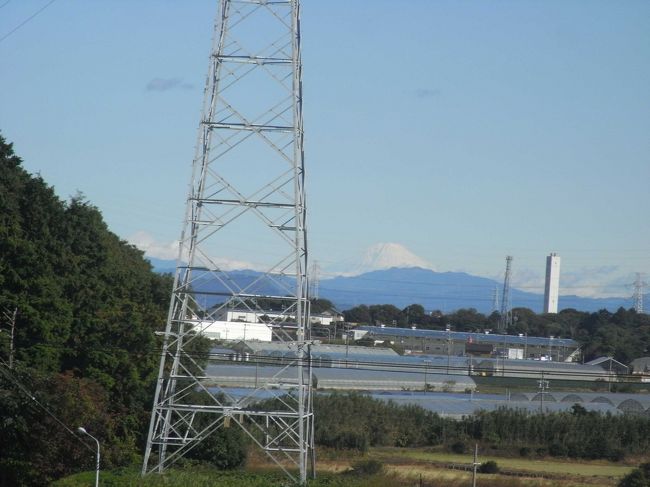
{"x": 505, "y": 321}
{"x": 246, "y": 201}
{"x": 639, "y": 285}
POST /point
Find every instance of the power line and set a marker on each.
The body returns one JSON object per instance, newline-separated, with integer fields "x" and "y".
{"x": 4, "y": 369}
{"x": 28, "y": 19}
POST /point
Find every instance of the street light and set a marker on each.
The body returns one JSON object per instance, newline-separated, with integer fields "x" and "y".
{"x": 82, "y": 430}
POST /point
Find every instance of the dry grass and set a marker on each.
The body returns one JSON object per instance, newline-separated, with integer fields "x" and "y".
{"x": 550, "y": 466}
{"x": 404, "y": 467}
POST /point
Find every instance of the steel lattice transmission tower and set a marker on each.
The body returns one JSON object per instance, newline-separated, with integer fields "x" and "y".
{"x": 639, "y": 286}
{"x": 247, "y": 202}
{"x": 506, "y": 304}
{"x": 495, "y": 299}
{"x": 314, "y": 280}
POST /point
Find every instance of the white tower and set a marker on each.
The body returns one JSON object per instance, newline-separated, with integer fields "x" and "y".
{"x": 552, "y": 284}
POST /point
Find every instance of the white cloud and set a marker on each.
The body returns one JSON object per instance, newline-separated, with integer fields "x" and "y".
{"x": 169, "y": 251}
{"x": 587, "y": 282}
{"x": 596, "y": 282}
{"x": 151, "y": 248}
{"x": 527, "y": 280}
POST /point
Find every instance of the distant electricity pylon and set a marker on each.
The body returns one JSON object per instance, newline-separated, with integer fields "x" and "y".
{"x": 246, "y": 200}
{"x": 314, "y": 280}
{"x": 505, "y": 320}
{"x": 639, "y": 286}
{"x": 495, "y": 299}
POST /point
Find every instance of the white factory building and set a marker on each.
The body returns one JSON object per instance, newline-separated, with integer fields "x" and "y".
{"x": 234, "y": 330}
{"x": 252, "y": 325}
{"x": 261, "y": 316}
{"x": 552, "y": 284}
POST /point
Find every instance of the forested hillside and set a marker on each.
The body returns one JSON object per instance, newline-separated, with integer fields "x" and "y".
{"x": 87, "y": 307}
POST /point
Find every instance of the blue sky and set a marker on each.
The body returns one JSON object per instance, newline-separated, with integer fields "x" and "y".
{"x": 463, "y": 131}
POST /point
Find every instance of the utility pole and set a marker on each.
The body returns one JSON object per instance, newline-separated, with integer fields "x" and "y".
{"x": 475, "y": 464}
{"x": 448, "y": 347}
{"x": 426, "y": 370}
{"x": 543, "y": 387}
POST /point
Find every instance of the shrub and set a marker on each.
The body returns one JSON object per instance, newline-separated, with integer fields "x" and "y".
{"x": 489, "y": 467}
{"x": 368, "y": 467}
{"x": 458, "y": 447}
{"x": 615, "y": 455}
{"x": 558, "y": 450}
{"x": 639, "y": 477}
{"x": 634, "y": 479}
{"x": 225, "y": 448}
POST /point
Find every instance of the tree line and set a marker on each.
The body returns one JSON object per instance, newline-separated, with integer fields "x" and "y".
{"x": 355, "y": 421}
{"x": 85, "y": 349}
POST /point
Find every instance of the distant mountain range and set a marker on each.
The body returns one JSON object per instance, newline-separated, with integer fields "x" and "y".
{"x": 446, "y": 291}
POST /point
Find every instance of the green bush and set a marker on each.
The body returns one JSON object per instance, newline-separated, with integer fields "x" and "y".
{"x": 368, "y": 467}
{"x": 639, "y": 477}
{"x": 458, "y": 447}
{"x": 634, "y": 479}
{"x": 557, "y": 449}
{"x": 225, "y": 448}
{"x": 489, "y": 467}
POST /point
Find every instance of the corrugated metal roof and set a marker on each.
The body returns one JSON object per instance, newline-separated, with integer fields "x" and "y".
{"x": 467, "y": 336}
{"x": 320, "y": 348}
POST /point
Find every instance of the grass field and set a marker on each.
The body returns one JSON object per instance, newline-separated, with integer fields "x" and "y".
{"x": 403, "y": 467}
{"x": 435, "y": 467}
{"x": 590, "y": 469}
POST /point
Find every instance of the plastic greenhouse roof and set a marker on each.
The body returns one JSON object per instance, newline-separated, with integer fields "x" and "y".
{"x": 466, "y": 336}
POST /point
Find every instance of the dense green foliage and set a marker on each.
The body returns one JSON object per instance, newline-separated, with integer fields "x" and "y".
{"x": 639, "y": 477}
{"x": 204, "y": 476}
{"x": 489, "y": 467}
{"x": 625, "y": 334}
{"x": 355, "y": 421}
{"x": 88, "y": 306}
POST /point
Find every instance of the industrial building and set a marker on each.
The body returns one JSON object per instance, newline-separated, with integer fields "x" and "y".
{"x": 454, "y": 343}
{"x": 370, "y": 368}
{"x": 243, "y": 315}
{"x": 234, "y": 331}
